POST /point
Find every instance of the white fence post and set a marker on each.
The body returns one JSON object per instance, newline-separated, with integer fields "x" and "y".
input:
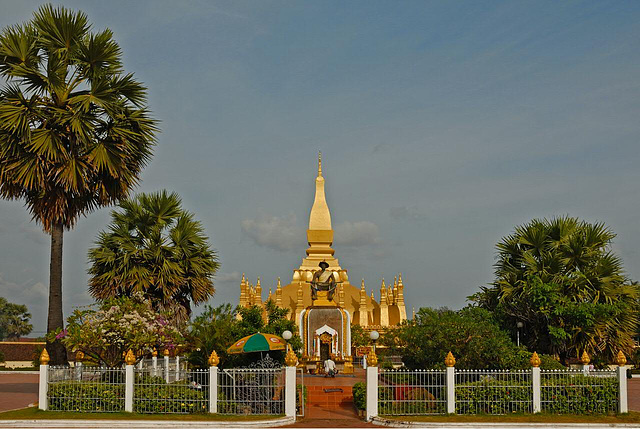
{"x": 213, "y": 389}
{"x": 290, "y": 391}
{"x": 130, "y": 360}
{"x": 177, "y": 375}
{"x": 372, "y": 391}
{"x": 537, "y": 389}
{"x": 154, "y": 361}
{"x": 43, "y": 402}
{"x": 622, "y": 383}
{"x": 450, "y": 362}
{"x": 451, "y": 390}
{"x": 166, "y": 366}
{"x": 213, "y": 382}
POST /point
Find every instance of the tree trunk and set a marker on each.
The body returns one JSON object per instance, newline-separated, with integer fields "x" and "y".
{"x": 56, "y": 349}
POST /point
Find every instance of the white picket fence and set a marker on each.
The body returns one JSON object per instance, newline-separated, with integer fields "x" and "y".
{"x": 168, "y": 389}
{"x": 439, "y": 392}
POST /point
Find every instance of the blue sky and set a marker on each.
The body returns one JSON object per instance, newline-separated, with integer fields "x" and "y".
{"x": 442, "y": 126}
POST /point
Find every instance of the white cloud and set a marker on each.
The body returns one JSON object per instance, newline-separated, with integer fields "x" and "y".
{"x": 355, "y": 234}
{"x": 273, "y": 232}
{"x": 411, "y": 213}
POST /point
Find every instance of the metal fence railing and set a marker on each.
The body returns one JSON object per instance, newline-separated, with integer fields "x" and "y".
{"x": 86, "y": 389}
{"x": 493, "y": 392}
{"x": 404, "y": 393}
{"x": 251, "y": 391}
{"x": 186, "y": 393}
{"x": 577, "y": 391}
{"x": 301, "y": 393}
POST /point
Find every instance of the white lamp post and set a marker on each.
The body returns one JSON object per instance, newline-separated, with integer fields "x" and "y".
{"x": 519, "y": 325}
{"x": 374, "y": 335}
{"x": 287, "y": 336}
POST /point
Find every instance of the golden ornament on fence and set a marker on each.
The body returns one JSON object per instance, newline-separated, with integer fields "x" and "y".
{"x": 130, "y": 359}
{"x": 372, "y": 359}
{"x": 44, "y": 357}
{"x": 79, "y": 356}
{"x": 621, "y": 360}
{"x": 214, "y": 360}
{"x": 450, "y": 361}
{"x": 166, "y": 352}
{"x": 584, "y": 359}
{"x": 535, "y": 360}
{"x": 291, "y": 359}
{"x": 154, "y": 353}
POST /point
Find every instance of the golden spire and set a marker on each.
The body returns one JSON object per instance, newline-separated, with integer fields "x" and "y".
{"x": 279, "y": 294}
{"x": 270, "y": 295}
{"x": 258, "y": 293}
{"x": 362, "y": 309}
{"x": 320, "y": 217}
{"x": 243, "y": 292}
{"x": 400, "y": 299}
{"x": 384, "y": 309}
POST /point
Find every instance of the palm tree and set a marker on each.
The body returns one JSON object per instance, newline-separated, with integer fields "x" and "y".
{"x": 572, "y": 263}
{"x": 157, "y": 249}
{"x": 74, "y": 130}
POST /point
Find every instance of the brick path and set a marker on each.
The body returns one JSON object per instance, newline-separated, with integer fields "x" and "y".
{"x": 18, "y": 390}
{"x": 633, "y": 392}
{"x": 331, "y": 409}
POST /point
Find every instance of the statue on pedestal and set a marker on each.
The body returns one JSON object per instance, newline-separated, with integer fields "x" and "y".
{"x": 323, "y": 281}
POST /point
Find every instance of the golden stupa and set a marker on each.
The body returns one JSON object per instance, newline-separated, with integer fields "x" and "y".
{"x": 353, "y": 303}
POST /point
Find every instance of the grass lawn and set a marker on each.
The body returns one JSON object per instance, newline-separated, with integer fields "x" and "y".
{"x": 632, "y": 417}
{"x": 34, "y": 413}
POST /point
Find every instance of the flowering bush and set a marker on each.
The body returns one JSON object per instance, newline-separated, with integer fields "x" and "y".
{"x": 104, "y": 332}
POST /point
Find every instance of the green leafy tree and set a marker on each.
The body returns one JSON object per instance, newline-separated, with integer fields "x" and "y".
{"x": 359, "y": 337}
{"x": 156, "y": 248}
{"x": 106, "y": 331}
{"x": 74, "y": 130}
{"x": 560, "y": 279}
{"x": 471, "y": 334}
{"x": 214, "y": 329}
{"x": 14, "y": 320}
{"x": 218, "y": 328}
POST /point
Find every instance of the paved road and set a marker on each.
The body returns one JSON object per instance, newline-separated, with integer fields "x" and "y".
{"x": 18, "y": 390}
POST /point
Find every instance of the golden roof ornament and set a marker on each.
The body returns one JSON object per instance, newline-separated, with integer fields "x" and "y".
{"x": 372, "y": 359}
{"x": 214, "y": 360}
{"x": 621, "y": 360}
{"x": 450, "y": 361}
{"x": 129, "y": 358}
{"x": 584, "y": 359}
{"x": 535, "y": 360}
{"x": 44, "y": 357}
{"x": 291, "y": 359}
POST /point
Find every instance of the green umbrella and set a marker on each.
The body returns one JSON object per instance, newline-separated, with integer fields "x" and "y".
{"x": 257, "y": 343}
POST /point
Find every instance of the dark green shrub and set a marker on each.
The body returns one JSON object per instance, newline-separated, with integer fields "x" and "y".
{"x": 359, "y": 391}
{"x": 491, "y": 396}
{"x": 178, "y": 397}
{"x": 86, "y": 397}
{"x": 580, "y": 395}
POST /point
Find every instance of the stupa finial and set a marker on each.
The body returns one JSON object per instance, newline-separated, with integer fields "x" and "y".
{"x": 319, "y": 164}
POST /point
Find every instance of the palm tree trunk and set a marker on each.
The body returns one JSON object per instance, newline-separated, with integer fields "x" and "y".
{"x": 55, "y": 320}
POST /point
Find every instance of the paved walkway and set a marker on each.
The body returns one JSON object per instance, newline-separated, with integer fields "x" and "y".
{"x": 18, "y": 390}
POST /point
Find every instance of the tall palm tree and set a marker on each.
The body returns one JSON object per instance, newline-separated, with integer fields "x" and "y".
{"x": 157, "y": 249}
{"x": 74, "y": 130}
{"x": 573, "y": 260}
